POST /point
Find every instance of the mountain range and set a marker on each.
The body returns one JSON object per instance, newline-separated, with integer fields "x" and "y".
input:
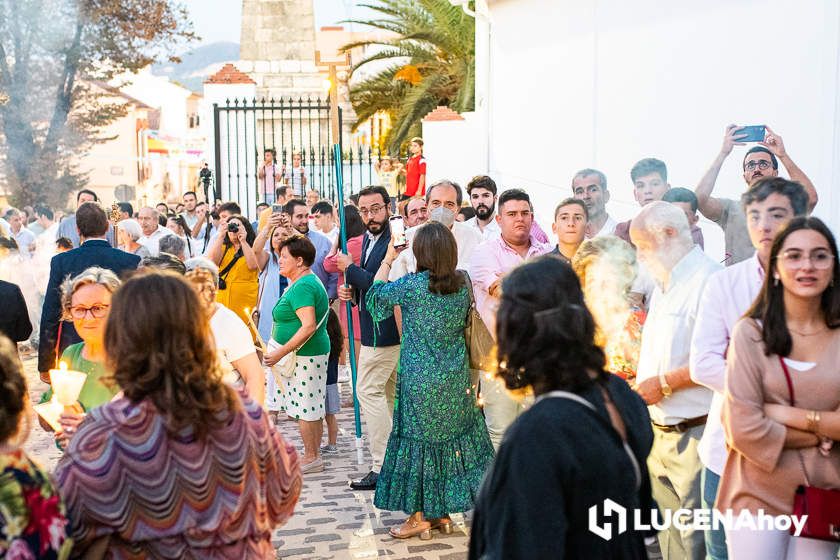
{"x": 198, "y": 64}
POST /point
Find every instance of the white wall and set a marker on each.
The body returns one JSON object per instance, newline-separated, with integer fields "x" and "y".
{"x": 604, "y": 83}
{"x": 446, "y": 147}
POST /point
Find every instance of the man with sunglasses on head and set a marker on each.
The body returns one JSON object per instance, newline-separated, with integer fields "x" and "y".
{"x": 760, "y": 162}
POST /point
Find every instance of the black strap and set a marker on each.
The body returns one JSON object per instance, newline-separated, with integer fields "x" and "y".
{"x": 223, "y": 273}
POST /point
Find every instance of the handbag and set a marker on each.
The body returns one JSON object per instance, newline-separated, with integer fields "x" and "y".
{"x": 285, "y": 366}
{"x": 224, "y": 272}
{"x": 480, "y": 343}
{"x": 820, "y": 505}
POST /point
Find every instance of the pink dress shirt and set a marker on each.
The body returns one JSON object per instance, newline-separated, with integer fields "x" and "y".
{"x": 729, "y": 294}
{"x": 490, "y": 261}
{"x": 354, "y": 249}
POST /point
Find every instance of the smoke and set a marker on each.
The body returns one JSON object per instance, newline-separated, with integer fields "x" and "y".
{"x": 607, "y": 269}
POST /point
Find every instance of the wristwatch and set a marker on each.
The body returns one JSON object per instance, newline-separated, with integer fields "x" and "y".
{"x": 664, "y": 387}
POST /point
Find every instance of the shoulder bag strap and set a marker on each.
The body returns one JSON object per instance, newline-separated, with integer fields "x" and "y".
{"x": 580, "y": 400}
{"x": 223, "y": 273}
{"x": 469, "y": 287}
{"x": 789, "y": 381}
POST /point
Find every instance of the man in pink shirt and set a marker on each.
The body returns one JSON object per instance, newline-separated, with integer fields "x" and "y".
{"x": 490, "y": 262}
{"x": 768, "y": 205}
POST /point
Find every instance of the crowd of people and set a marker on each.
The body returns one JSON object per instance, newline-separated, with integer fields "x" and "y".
{"x": 629, "y": 365}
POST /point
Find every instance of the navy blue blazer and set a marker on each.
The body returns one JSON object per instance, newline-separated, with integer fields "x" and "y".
{"x": 361, "y": 279}
{"x": 95, "y": 252}
{"x": 14, "y": 321}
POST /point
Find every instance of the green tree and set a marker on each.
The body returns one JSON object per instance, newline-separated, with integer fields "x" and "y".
{"x": 431, "y": 50}
{"x": 52, "y": 53}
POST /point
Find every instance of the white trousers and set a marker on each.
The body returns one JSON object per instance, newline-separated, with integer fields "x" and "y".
{"x": 376, "y": 388}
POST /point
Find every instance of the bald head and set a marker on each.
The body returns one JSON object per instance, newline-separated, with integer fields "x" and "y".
{"x": 662, "y": 236}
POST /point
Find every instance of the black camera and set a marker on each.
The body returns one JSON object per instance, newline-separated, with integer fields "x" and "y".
{"x": 233, "y": 227}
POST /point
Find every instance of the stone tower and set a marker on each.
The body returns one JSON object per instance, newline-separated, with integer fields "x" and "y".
{"x": 277, "y": 48}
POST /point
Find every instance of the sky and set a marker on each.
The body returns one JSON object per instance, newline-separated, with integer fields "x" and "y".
{"x": 212, "y": 18}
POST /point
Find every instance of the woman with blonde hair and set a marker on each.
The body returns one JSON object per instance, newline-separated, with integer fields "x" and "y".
{"x": 181, "y": 465}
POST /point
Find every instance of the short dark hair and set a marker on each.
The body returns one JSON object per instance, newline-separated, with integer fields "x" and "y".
{"x": 44, "y": 210}
{"x": 127, "y": 208}
{"x": 482, "y": 182}
{"x": 769, "y": 307}
{"x": 289, "y": 207}
{"x": 322, "y": 207}
{"x": 230, "y": 207}
{"x": 417, "y": 140}
{"x": 86, "y": 191}
{"x": 794, "y": 192}
{"x": 459, "y": 196}
{"x": 569, "y": 201}
{"x": 64, "y": 243}
{"x": 763, "y": 150}
{"x": 602, "y": 179}
{"x": 91, "y": 220}
{"x": 467, "y": 212}
{"x": 514, "y": 194}
{"x": 281, "y": 191}
{"x": 545, "y": 333}
{"x": 681, "y": 194}
{"x": 262, "y": 205}
{"x": 189, "y": 192}
{"x": 300, "y": 246}
{"x": 647, "y": 166}
{"x": 353, "y": 221}
{"x": 354, "y": 198}
{"x": 375, "y": 189}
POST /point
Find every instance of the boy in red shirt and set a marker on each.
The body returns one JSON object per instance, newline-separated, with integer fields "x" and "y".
{"x": 415, "y": 171}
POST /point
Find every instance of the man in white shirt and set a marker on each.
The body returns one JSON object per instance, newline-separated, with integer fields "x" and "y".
{"x": 590, "y": 186}
{"x": 152, "y": 230}
{"x": 190, "y": 215}
{"x": 415, "y": 212}
{"x": 443, "y": 200}
{"x": 482, "y": 194}
{"x": 24, "y": 238}
{"x": 678, "y": 407}
{"x": 768, "y": 205}
{"x": 324, "y": 217}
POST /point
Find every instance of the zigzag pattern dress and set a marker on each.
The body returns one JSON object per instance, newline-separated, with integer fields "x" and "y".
{"x": 157, "y": 495}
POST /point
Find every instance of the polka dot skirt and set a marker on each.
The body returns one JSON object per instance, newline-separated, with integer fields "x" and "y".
{"x": 305, "y": 392}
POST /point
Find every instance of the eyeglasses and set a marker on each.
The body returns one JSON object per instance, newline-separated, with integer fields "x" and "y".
{"x": 820, "y": 259}
{"x": 96, "y": 311}
{"x": 762, "y": 164}
{"x": 372, "y": 211}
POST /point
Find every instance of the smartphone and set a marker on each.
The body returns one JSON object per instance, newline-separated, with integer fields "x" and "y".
{"x": 276, "y": 208}
{"x": 397, "y": 226}
{"x": 751, "y": 133}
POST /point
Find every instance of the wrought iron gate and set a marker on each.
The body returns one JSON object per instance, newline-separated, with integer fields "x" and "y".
{"x": 244, "y": 129}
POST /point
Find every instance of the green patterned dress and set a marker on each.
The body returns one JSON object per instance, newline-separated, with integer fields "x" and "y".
{"x": 439, "y": 448}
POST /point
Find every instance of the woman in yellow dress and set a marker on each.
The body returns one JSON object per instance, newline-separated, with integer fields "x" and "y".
{"x": 239, "y": 268}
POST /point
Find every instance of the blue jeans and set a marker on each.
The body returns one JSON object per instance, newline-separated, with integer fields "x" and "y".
{"x": 715, "y": 538}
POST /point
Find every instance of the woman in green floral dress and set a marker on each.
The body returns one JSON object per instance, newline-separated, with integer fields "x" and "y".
{"x": 439, "y": 448}
{"x": 32, "y": 519}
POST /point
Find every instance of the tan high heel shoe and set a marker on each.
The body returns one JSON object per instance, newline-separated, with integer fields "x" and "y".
{"x": 412, "y": 528}
{"x": 442, "y": 524}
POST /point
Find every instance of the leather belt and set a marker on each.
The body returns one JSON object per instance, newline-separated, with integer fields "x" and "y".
{"x": 683, "y": 426}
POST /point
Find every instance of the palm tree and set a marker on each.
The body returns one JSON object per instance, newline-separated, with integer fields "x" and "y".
{"x": 432, "y": 56}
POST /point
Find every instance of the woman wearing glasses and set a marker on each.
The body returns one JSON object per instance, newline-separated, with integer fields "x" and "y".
{"x": 780, "y": 410}
{"x": 86, "y": 300}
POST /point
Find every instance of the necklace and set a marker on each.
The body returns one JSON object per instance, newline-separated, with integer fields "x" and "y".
{"x": 800, "y": 333}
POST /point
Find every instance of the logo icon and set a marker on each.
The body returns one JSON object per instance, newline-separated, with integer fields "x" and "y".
{"x": 610, "y": 508}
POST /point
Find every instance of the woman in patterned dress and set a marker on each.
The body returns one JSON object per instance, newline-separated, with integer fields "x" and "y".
{"x": 439, "y": 448}
{"x": 182, "y": 465}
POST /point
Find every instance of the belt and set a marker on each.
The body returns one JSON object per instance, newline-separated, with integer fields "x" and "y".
{"x": 683, "y": 426}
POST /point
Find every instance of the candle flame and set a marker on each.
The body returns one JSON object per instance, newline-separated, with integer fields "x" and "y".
{"x": 62, "y": 365}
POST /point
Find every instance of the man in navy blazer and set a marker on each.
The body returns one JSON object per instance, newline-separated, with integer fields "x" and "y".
{"x": 92, "y": 224}
{"x": 380, "y": 351}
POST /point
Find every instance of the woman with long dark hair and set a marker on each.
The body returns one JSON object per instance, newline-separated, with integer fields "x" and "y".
{"x": 239, "y": 268}
{"x": 783, "y": 393}
{"x": 585, "y": 439}
{"x": 177, "y": 224}
{"x": 439, "y": 448}
{"x": 182, "y": 465}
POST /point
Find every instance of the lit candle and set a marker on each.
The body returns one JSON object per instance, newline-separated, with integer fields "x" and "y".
{"x": 66, "y": 384}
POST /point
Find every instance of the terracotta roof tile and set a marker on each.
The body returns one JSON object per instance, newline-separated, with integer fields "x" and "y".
{"x": 443, "y": 114}
{"x": 229, "y": 74}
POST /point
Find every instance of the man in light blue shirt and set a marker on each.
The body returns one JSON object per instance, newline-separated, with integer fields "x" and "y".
{"x": 67, "y": 227}
{"x": 299, "y": 214}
